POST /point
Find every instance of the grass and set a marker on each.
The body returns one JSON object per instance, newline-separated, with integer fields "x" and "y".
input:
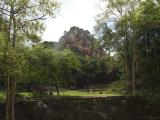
{"x": 20, "y": 94}
{"x": 26, "y": 94}
{"x": 2, "y": 96}
{"x": 80, "y": 93}
{"x": 117, "y": 88}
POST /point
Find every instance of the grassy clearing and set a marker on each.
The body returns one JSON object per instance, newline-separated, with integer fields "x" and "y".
{"x": 117, "y": 88}
{"x": 80, "y": 93}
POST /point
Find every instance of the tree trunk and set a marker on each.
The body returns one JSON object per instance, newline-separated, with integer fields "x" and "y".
{"x": 57, "y": 87}
{"x": 11, "y": 85}
{"x": 11, "y": 79}
{"x": 129, "y": 77}
{"x": 7, "y": 99}
{"x": 128, "y": 58}
{"x": 133, "y": 67}
{"x": 133, "y": 77}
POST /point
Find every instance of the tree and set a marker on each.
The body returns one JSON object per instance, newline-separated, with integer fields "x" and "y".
{"x": 47, "y": 66}
{"x": 119, "y": 35}
{"x": 63, "y": 65}
{"x": 148, "y": 39}
{"x": 2, "y": 60}
{"x": 36, "y": 71}
{"x": 134, "y": 37}
{"x": 21, "y": 18}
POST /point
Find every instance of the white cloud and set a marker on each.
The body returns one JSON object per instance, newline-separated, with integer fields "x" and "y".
{"x": 79, "y": 13}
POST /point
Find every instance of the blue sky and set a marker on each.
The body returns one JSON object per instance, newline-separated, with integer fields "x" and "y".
{"x": 79, "y": 13}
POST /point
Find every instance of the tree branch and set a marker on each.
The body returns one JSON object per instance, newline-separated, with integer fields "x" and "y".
{"x": 39, "y": 18}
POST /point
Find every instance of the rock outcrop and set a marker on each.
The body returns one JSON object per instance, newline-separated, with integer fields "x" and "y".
{"x": 81, "y": 41}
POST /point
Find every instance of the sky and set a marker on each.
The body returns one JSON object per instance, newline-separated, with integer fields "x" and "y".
{"x": 80, "y": 13}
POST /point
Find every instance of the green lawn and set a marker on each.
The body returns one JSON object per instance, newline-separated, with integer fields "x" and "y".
{"x": 63, "y": 93}
{"x": 115, "y": 89}
{"x": 85, "y": 93}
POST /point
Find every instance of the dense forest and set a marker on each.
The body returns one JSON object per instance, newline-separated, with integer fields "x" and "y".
{"x": 124, "y": 51}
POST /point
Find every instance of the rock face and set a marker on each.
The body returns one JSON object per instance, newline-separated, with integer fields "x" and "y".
{"x": 81, "y": 41}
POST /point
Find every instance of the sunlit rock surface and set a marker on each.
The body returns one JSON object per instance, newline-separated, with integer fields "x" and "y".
{"x": 81, "y": 41}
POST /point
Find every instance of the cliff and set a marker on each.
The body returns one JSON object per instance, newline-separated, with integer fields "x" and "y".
{"x": 81, "y": 42}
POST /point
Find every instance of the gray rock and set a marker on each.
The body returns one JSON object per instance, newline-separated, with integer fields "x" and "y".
{"x": 103, "y": 115}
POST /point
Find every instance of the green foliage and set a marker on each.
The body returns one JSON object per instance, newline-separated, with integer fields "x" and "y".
{"x": 48, "y": 44}
{"x": 45, "y": 66}
{"x": 96, "y": 70}
{"x": 65, "y": 63}
{"x": 147, "y": 19}
{"x": 2, "y": 96}
{"x": 133, "y": 36}
{"x": 117, "y": 87}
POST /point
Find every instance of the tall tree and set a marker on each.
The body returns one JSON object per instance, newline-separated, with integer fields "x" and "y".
{"x": 22, "y": 18}
{"x": 148, "y": 38}
{"x": 119, "y": 35}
